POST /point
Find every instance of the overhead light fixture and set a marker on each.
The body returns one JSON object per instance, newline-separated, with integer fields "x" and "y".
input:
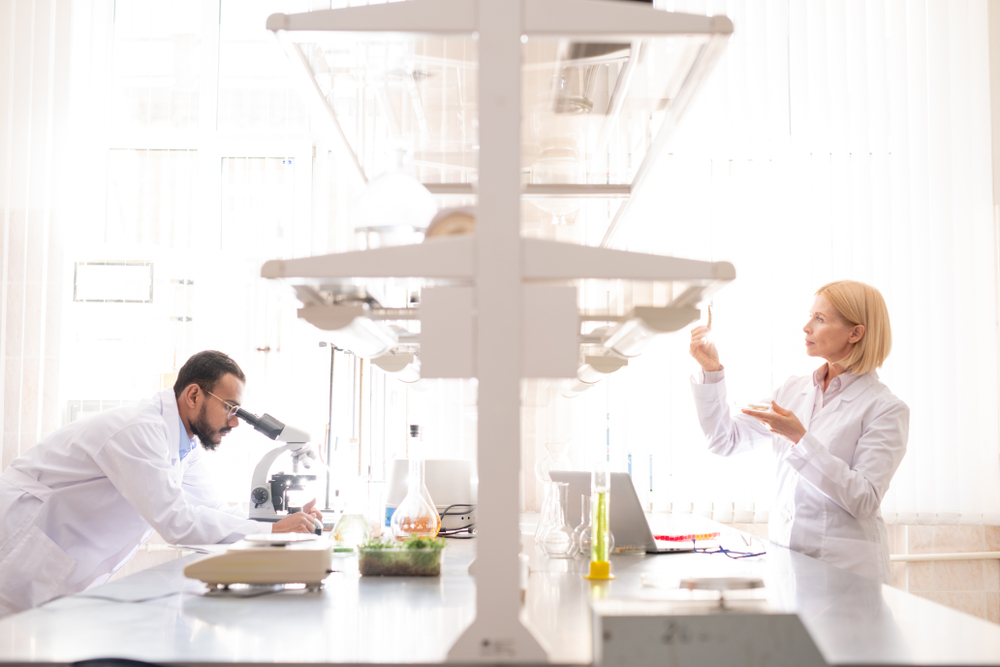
{"x": 630, "y": 337}
{"x": 352, "y": 328}
{"x": 558, "y": 163}
{"x": 404, "y": 365}
{"x": 594, "y": 369}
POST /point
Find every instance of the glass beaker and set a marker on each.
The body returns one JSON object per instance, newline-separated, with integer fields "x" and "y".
{"x": 557, "y": 540}
{"x": 351, "y": 529}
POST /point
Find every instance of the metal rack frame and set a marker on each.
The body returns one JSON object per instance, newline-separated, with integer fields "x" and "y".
{"x": 507, "y": 274}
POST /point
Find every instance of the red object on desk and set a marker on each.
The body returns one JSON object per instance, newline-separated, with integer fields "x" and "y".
{"x": 686, "y": 538}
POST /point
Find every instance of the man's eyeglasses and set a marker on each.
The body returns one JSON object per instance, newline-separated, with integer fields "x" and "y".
{"x": 233, "y": 409}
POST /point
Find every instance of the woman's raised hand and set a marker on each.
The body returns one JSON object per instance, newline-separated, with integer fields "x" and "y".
{"x": 703, "y": 350}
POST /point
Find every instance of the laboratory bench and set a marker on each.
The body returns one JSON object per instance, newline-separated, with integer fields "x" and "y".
{"x": 158, "y": 615}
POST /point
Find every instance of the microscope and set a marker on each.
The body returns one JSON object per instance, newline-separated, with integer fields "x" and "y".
{"x": 268, "y": 497}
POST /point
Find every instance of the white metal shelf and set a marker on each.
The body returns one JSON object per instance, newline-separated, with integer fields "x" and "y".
{"x": 507, "y": 308}
{"x": 663, "y": 59}
{"x": 541, "y": 260}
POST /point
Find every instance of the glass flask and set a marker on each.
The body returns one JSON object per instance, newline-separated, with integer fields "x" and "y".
{"x": 555, "y": 458}
{"x": 556, "y": 540}
{"x": 583, "y": 534}
{"x": 415, "y": 516}
{"x": 415, "y": 449}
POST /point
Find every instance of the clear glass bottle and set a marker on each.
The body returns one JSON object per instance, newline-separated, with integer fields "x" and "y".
{"x": 557, "y": 539}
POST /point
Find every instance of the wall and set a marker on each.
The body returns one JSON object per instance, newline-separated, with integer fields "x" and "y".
{"x": 972, "y": 586}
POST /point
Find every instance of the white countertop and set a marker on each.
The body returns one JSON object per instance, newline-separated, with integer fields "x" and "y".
{"x": 405, "y": 620}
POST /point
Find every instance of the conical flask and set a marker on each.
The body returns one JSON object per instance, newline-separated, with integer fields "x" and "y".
{"x": 415, "y": 516}
{"x": 583, "y": 535}
{"x": 557, "y": 540}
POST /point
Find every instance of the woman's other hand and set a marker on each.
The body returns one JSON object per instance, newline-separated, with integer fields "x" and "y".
{"x": 781, "y": 421}
{"x": 703, "y": 350}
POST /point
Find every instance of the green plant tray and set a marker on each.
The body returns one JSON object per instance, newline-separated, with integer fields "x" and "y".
{"x": 399, "y": 562}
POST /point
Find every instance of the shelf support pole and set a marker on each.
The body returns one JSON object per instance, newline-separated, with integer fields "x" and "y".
{"x": 497, "y": 633}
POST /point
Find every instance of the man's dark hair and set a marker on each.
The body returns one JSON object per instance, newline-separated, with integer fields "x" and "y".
{"x": 205, "y": 369}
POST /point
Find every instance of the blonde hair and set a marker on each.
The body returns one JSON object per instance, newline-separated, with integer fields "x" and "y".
{"x": 857, "y": 303}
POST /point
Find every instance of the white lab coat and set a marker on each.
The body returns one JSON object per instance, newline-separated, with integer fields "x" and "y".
{"x": 75, "y": 507}
{"x": 830, "y": 484}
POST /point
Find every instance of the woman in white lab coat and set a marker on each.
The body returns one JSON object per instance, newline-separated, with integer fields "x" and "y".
{"x": 837, "y": 435}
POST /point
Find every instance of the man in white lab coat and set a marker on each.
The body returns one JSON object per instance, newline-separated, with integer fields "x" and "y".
{"x": 75, "y": 507}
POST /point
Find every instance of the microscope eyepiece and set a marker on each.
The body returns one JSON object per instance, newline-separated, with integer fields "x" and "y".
{"x": 248, "y": 417}
{"x": 266, "y": 424}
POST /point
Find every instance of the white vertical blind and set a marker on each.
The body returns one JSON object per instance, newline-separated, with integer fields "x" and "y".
{"x": 34, "y": 72}
{"x": 837, "y": 139}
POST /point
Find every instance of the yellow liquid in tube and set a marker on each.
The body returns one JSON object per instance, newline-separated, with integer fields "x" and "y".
{"x": 600, "y": 549}
{"x": 600, "y": 546}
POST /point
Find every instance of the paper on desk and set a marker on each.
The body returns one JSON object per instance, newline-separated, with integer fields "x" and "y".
{"x": 201, "y": 548}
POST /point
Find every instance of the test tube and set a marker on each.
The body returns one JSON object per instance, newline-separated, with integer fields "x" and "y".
{"x": 600, "y": 549}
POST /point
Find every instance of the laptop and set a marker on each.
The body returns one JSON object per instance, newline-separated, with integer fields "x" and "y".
{"x": 628, "y": 522}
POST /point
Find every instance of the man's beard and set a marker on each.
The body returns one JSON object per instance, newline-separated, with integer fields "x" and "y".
{"x": 206, "y": 434}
